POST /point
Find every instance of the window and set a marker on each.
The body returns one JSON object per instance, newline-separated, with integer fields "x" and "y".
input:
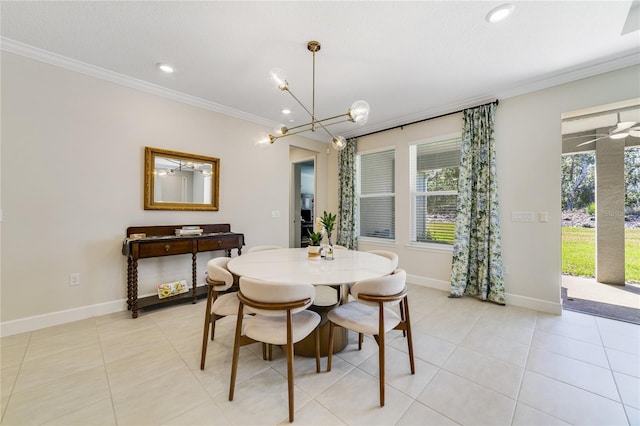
{"x": 376, "y": 192}
{"x": 434, "y": 168}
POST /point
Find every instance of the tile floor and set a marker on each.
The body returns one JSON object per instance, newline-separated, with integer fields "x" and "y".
{"x": 476, "y": 364}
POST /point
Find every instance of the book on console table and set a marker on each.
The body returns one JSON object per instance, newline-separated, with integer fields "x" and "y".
{"x": 188, "y": 230}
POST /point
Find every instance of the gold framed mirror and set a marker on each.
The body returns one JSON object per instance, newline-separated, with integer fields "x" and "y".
{"x": 180, "y": 181}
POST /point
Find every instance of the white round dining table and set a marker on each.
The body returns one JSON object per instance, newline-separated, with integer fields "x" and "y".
{"x": 292, "y": 266}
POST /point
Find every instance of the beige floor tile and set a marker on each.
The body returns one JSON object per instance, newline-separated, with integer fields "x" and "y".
{"x": 161, "y": 397}
{"x": 99, "y": 413}
{"x": 313, "y": 414}
{"x": 427, "y": 348}
{"x": 362, "y": 406}
{"x": 572, "y": 348}
{"x": 569, "y": 403}
{"x": 207, "y": 413}
{"x": 633, "y": 415}
{"x": 420, "y": 414}
{"x": 140, "y": 371}
{"x": 577, "y": 373}
{"x": 262, "y": 400}
{"x": 466, "y": 402}
{"x": 51, "y": 400}
{"x": 528, "y": 416}
{"x": 36, "y": 371}
{"x": 624, "y": 362}
{"x": 398, "y": 371}
{"x": 493, "y": 345}
{"x": 629, "y": 387}
{"x": 487, "y": 371}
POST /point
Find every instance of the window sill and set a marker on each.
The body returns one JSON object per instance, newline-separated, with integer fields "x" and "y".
{"x": 437, "y": 248}
{"x": 378, "y": 241}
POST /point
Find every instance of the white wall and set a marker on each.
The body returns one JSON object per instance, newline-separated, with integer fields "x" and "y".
{"x": 72, "y": 179}
{"x": 528, "y": 150}
{"x": 72, "y": 182}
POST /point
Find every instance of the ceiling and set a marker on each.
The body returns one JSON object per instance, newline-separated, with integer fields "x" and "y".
{"x": 408, "y": 60}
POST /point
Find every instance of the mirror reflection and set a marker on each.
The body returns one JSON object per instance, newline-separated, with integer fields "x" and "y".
{"x": 180, "y": 181}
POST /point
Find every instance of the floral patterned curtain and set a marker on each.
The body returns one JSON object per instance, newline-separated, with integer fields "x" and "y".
{"x": 477, "y": 255}
{"x": 347, "y": 201}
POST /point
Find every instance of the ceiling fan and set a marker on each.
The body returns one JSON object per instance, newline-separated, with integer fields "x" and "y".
{"x": 621, "y": 130}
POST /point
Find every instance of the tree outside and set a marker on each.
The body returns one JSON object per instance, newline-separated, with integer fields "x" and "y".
{"x": 578, "y": 213}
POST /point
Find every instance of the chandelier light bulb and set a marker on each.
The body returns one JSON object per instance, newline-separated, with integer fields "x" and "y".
{"x": 264, "y": 141}
{"x": 279, "y": 77}
{"x": 338, "y": 143}
{"x": 281, "y": 130}
{"x": 359, "y": 112}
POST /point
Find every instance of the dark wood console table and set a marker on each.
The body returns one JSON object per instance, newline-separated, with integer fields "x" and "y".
{"x": 161, "y": 241}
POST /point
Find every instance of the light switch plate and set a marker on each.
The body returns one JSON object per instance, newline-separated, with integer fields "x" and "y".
{"x": 522, "y": 216}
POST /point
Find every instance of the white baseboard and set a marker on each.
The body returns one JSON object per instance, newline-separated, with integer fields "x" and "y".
{"x": 511, "y": 299}
{"x": 534, "y": 304}
{"x": 429, "y": 282}
{"x": 37, "y": 322}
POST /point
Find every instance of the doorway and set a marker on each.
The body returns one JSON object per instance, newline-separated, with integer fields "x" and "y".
{"x": 601, "y": 210}
{"x": 303, "y": 190}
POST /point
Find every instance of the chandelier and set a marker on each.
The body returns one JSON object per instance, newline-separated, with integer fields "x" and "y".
{"x": 358, "y": 113}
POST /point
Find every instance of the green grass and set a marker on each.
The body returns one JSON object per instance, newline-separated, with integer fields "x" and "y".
{"x": 441, "y": 231}
{"x": 579, "y": 252}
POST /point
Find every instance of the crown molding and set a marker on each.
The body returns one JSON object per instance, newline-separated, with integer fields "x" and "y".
{"x": 556, "y": 79}
{"x": 54, "y": 59}
{"x": 584, "y": 71}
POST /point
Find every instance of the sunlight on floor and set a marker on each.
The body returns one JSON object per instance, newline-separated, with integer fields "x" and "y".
{"x": 590, "y": 289}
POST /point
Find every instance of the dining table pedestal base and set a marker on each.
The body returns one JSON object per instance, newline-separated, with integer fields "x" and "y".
{"x": 328, "y": 298}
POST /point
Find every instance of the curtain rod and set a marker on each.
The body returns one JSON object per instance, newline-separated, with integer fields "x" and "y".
{"x": 497, "y": 102}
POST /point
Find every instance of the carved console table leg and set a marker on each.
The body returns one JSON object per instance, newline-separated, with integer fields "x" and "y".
{"x": 194, "y": 276}
{"x": 134, "y": 289}
{"x": 129, "y": 273}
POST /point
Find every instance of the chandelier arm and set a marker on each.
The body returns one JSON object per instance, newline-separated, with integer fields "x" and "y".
{"x": 322, "y": 121}
{"x": 290, "y": 133}
{"x": 301, "y": 104}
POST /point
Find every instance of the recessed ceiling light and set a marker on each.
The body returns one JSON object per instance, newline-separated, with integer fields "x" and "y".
{"x": 500, "y": 13}
{"x": 286, "y": 111}
{"x": 165, "y": 67}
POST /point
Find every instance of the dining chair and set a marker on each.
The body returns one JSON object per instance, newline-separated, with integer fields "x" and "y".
{"x": 218, "y": 306}
{"x": 394, "y": 259}
{"x": 388, "y": 254}
{"x": 370, "y": 313}
{"x": 281, "y": 318}
{"x": 256, "y": 249}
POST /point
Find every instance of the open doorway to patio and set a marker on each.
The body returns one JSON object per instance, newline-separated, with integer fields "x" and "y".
{"x": 601, "y": 211}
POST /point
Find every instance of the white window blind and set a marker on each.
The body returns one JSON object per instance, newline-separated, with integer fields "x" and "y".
{"x": 376, "y": 191}
{"x": 434, "y": 168}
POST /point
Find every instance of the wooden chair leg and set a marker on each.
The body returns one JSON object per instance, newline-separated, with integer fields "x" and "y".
{"x": 360, "y": 340}
{"x": 330, "y": 351}
{"x": 236, "y": 352}
{"x": 402, "y": 317}
{"x": 317, "y": 336}
{"x": 409, "y": 337}
{"x": 381, "y": 344}
{"x": 290, "y": 364}
{"x": 207, "y": 323}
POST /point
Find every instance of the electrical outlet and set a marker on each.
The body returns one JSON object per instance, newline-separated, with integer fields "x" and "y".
{"x": 74, "y": 279}
{"x": 275, "y": 214}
